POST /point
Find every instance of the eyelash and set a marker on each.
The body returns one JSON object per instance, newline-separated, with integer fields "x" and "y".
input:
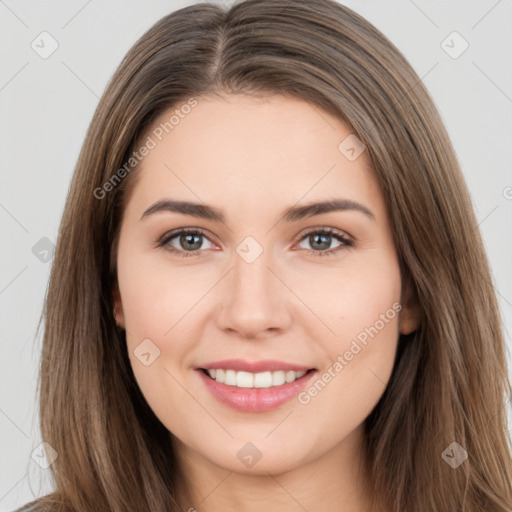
{"x": 346, "y": 242}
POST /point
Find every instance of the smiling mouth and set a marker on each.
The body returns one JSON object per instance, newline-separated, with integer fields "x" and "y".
{"x": 242, "y": 379}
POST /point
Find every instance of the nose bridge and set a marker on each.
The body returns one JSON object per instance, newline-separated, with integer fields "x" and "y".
{"x": 254, "y": 299}
{"x": 252, "y": 278}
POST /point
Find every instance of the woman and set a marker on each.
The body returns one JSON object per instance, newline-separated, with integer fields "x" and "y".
{"x": 247, "y": 370}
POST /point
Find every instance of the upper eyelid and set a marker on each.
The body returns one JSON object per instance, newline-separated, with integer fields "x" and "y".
{"x": 193, "y": 230}
{"x": 169, "y": 235}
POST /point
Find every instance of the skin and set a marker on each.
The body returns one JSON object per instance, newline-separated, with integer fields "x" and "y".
{"x": 252, "y": 158}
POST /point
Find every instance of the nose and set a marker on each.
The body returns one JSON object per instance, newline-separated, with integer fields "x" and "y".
{"x": 255, "y": 302}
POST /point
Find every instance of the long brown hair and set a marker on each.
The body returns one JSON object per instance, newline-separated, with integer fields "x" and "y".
{"x": 449, "y": 384}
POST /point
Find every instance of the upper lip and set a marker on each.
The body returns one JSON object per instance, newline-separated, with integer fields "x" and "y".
{"x": 268, "y": 365}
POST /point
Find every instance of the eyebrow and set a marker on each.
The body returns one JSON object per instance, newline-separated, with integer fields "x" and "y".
{"x": 294, "y": 213}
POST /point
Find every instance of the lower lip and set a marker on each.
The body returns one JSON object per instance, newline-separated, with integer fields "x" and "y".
{"x": 256, "y": 399}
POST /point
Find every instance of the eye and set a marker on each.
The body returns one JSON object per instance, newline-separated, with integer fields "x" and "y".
{"x": 189, "y": 241}
{"x": 321, "y": 239}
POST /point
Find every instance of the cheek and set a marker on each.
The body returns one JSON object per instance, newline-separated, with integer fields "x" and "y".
{"x": 351, "y": 296}
{"x": 358, "y": 368}
{"x": 361, "y": 307}
{"x": 155, "y": 300}
{"x": 157, "y": 294}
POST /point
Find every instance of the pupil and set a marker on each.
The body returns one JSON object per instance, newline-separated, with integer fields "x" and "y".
{"x": 325, "y": 238}
{"x": 186, "y": 238}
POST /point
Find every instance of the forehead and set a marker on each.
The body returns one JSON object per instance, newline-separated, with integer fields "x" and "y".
{"x": 252, "y": 150}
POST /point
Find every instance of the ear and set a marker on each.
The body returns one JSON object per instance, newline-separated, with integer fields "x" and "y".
{"x": 410, "y": 315}
{"x": 118, "y": 306}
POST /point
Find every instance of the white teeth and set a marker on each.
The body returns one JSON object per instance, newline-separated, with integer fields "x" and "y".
{"x": 244, "y": 379}
{"x": 254, "y": 380}
{"x": 229, "y": 378}
{"x": 290, "y": 376}
{"x": 278, "y": 378}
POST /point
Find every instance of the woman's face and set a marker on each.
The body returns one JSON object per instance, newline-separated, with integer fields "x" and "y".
{"x": 261, "y": 285}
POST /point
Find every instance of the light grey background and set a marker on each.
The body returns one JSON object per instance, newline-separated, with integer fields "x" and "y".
{"x": 47, "y": 104}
